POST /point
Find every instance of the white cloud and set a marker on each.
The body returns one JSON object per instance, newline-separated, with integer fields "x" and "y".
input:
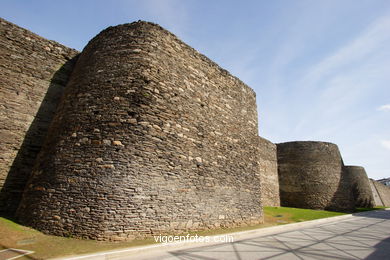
{"x": 386, "y": 144}
{"x": 343, "y": 83}
{"x": 374, "y": 38}
{"x": 384, "y": 107}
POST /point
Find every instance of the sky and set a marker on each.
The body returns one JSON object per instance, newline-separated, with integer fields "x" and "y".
{"x": 320, "y": 69}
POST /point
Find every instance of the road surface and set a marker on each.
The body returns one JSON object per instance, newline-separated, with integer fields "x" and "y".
{"x": 359, "y": 237}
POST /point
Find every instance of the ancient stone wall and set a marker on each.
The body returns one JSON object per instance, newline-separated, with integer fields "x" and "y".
{"x": 150, "y": 137}
{"x": 33, "y": 73}
{"x": 311, "y": 176}
{"x": 384, "y": 193}
{"x": 361, "y": 189}
{"x": 377, "y": 199}
{"x": 269, "y": 173}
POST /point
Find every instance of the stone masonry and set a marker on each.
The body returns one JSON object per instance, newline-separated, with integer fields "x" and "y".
{"x": 33, "y": 74}
{"x": 361, "y": 189}
{"x": 381, "y": 193}
{"x": 150, "y": 137}
{"x": 140, "y": 135}
{"x": 269, "y": 173}
{"x": 311, "y": 175}
{"x": 377, "y": 199}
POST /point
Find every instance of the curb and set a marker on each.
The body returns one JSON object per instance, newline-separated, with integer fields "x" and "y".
{"x": 131, "y": 251}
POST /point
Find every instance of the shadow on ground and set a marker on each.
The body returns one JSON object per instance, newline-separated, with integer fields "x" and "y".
{"x": 366, "y": 236}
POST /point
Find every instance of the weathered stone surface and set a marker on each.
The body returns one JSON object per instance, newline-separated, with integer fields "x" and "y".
{"x": 377, "y": 199}
{"x": 269, "y": 173}
{"x": 33, "y": 73}
{"x": 151, "y": 137}
{"x": 177, "y": 138}
{"x": 381, "y": 193}
{"x": 361, "y": 189}
{"x": 311, "y": 176}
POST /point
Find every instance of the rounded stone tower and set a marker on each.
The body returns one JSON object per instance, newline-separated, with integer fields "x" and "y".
{"x": 311, "y": 176}
{"x": 150, "y": 137}
{"x": 362, "y": 192}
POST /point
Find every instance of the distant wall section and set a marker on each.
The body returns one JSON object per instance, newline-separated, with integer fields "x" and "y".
{"x": 375, "y": 194}
{"x": 311, "y": 176}
{"x": 269, "y": 173}
{"x": 33, "y": 73}
{"x": 383, "y": 192}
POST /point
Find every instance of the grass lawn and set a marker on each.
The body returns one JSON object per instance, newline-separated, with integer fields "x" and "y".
{"x": 292, "y": 215}
{"x": 13, "y": 235}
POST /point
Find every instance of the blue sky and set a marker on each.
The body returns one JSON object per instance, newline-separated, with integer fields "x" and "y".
{"x": 321, "y": 69}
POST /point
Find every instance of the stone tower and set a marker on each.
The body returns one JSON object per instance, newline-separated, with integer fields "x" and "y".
{"x": 361, "y": 189}
{"x": 150, "y": 137}
{"x": 311, "y": 175}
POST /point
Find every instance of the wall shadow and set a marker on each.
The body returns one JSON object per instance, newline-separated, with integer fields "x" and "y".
{"x": 11, "y": 193}
{"x": 343, "y": 199}
{"x": 382, "y": 250}
{"x": 380, "y": 214}
{"x": 358, "y": 239}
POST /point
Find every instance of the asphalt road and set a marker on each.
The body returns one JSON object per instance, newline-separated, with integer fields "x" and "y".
{"x": 358, "y": 237}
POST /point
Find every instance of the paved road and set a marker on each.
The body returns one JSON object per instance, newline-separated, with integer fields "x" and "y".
{"x": 359, "y": 237}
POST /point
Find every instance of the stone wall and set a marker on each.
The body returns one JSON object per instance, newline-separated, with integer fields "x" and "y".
{"x": 383, "y": 191}
{"x": 311, "y": 176}
{"x": 150, "y": 137}
{"x": 33, "y": 73}
{"x": 361, "y": 189}
{"x": 377, "y": 199}
{"x": 269, "y": 173}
